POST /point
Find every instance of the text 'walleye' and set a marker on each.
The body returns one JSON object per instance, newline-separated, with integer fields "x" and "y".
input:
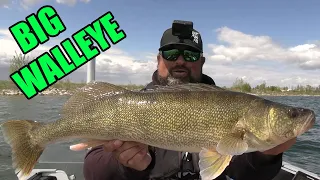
{"x": 62, "y": 59}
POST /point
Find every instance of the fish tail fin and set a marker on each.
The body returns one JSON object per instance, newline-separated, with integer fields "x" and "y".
{"x": 25, "y": 153}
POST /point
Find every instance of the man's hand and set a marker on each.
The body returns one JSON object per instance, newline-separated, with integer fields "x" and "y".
{"x": 281, "y": 148}
{"x": 130, "y": 154}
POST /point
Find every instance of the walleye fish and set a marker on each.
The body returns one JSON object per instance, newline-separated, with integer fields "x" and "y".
{"x": 214, "y": 122}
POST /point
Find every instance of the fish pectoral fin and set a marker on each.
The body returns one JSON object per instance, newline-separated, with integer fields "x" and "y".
{"x": 233, "y": 144}
{"x": 87, "y": 144}
{"x": 259, "y": 144}
{"x": 212, "y": 164}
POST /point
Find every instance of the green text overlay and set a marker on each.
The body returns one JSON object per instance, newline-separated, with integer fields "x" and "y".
{"x": 61, "y": 59}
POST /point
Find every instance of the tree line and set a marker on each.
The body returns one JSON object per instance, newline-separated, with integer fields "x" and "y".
{"x": 243, "y": 86}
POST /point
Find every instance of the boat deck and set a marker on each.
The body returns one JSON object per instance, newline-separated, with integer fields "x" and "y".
{"x": 75, "y": 171}
{"x": 72, "y": 164}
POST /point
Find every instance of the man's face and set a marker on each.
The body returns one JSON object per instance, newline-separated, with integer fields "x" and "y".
{"x": 179, "y": 71}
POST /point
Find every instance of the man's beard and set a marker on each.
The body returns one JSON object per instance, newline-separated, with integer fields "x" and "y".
{"x": 171, "y": 80}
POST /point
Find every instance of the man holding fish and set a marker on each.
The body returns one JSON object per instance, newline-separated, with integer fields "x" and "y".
{"x": 180, "y": 126}
{"x": 178, "y": 62}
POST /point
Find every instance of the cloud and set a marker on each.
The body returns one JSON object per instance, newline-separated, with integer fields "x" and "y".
{"x": 225, "y": 75}
{"x": 67, "y": 2}
{"x": 9, "y": 48}
{"x": 117, "y": 66}
{"x": 259, "y": 58}
{"x": 241, "y": 47}
{"x": 4, "y": 3}
{"x": 26, "y": 4}
{"x": 116, "y": 61}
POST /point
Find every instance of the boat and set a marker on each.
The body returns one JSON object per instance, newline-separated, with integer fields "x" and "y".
{"x": 73, "y": 171}
{"x": 70, "y": 166}
{"x": 291, "y": 172}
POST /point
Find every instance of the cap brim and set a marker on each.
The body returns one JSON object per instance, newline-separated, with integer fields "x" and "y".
{"x": 178, "y": 43}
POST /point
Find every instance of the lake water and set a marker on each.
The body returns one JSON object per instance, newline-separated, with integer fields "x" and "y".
{"x": 305, "y": 153}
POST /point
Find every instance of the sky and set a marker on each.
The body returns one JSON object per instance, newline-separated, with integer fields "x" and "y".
{"x": 273, "y": 41}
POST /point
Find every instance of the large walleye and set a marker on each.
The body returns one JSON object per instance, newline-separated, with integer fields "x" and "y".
{"x": 215, "y": 122}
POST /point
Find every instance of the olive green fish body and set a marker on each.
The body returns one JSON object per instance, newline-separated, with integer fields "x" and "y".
{"x": 178, "y": 121}
{"x": 171, "y": 120}
{"x": 194, "y": 117}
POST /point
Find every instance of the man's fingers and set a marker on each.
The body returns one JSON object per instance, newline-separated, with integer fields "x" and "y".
{"x": 78, "y": 147}
{"x": 126, "y": 155}
{"x": 125, "y": 146}
{"x": 112, "y": 145}
{"x": 141, "y": 160}
{"x": 130, "y": 154}
{"x": 87, "y": 144}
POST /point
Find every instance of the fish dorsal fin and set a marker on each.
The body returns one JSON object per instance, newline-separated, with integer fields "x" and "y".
{"x": 188, "y": 87}
{"x": 92, "y": 92}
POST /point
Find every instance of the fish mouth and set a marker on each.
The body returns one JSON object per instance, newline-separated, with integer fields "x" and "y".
{"x": 311, "y": 121}
{"x": 308, "y": 124}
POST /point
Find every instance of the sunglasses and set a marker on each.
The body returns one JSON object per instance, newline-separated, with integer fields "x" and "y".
{"x": 173, "y": 54}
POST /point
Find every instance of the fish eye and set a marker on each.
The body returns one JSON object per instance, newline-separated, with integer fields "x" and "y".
{"x": 293, "y": 113}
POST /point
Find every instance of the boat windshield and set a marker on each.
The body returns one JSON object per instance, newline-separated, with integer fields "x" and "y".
{"x": 60, "y": 153}
{"x": 60, "y": 157}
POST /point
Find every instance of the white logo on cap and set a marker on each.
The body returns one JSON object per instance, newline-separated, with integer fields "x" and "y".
{"x": 195, "y": 36}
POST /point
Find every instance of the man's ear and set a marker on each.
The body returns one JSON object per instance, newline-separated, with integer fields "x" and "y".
{"x": 203, "y": 59}
{"x": 158, "y": 57}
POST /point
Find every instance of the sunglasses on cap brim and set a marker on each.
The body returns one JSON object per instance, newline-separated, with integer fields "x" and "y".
{"x": 188, "y": 55}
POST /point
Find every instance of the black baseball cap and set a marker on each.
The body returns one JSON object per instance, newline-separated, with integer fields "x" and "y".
{"x": 168, "y": 39}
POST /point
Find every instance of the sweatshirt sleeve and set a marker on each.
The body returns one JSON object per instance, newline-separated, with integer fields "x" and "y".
{"x": 101, "y": 165}
{"x": 255, "y": 165}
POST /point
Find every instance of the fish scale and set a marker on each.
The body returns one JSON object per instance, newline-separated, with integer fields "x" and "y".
{"x": 193, "y": 117}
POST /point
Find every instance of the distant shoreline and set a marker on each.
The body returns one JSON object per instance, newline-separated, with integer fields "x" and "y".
{"x": 63, "y": 92}
{"x": 61, "y": 88}
{"x": 315, "y": 95}
{"x": 52, "y": 92}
